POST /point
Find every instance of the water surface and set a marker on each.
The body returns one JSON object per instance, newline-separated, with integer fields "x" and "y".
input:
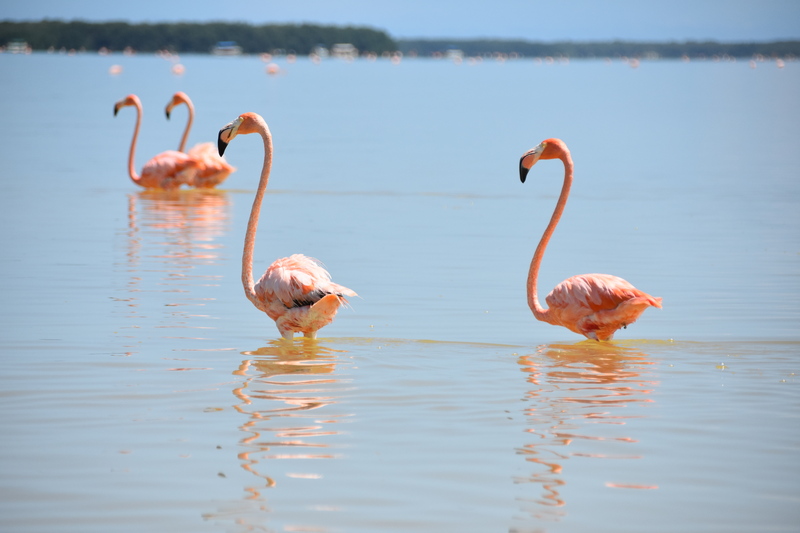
{"x": 142, "y": 391}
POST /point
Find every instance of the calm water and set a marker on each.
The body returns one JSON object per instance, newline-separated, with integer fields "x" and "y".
{"x": 141, "y": 391}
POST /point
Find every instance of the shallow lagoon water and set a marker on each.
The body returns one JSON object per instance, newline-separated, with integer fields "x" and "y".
{"x": 142, "y": 391}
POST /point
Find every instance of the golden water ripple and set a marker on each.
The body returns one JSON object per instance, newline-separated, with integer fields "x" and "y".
{"x": 285, "y": 384}
{"x": 577, "y": 394}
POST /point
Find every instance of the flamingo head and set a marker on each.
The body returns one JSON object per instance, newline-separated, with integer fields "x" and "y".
{"x": 227, "y": 133}
{"x": 547, "y": 149}
{"x": 177, "y": 99}
{"x": 130, "y": 100}
{"x": 244, "y": 124}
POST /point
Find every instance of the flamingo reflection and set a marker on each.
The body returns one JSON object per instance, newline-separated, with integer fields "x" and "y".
{"x": 576, "y": 396}
{"x": 170, "y": 234}
{"x": 285, "y": 386}
{"x": 188, "y": 222}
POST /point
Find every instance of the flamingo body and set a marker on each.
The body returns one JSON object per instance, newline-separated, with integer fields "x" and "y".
{"x": 296, "y": 291}
{"x": 593, "y": 305}
{"x": 298, "y": 294}
{"x": 212, "y": 169}
{"x": 168, "y": 170}
{"x": 596, "y": 305}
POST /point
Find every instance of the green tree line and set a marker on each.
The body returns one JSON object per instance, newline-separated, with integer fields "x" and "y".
{"x": 190, "y": 37}
{"x": 426, "y": 47}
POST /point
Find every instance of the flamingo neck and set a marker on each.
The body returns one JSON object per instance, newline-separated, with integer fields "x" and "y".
{"x": 533, "y": 274}
{"x": 132, "y": 153}
{"x": 252, "y": 223}
{"x": 185, "y": 138}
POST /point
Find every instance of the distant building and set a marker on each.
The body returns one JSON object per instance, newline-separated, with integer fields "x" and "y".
{"x": 344, "y": 51}
{"x": 226, "y": 48}
{"x": 320, "y": 51}
{"x": 18, "y": 46}
{"x": 454, "y": 54}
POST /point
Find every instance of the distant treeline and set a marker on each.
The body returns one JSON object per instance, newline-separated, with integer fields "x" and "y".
{"x": 190, "y": 37}
{"x": 303, "y": 38}
{"x": 427, "y": 47}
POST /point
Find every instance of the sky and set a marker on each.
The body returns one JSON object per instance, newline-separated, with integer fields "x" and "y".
{"x": 535, "y": 20}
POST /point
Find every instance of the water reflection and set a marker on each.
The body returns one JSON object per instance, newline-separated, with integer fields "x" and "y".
{"x": 170, "y": 236}
{"x": 184, "y": 222}
{"x": 577, "y": 396}
{"x": 286, "y": 389}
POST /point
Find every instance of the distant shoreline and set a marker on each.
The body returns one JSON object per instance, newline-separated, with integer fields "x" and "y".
{"x": 603, "y": 49}
{"x": 311, "y": 39}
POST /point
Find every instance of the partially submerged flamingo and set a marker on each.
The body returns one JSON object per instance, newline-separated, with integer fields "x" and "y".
{"x": 296, "y": 291}
{"x": 594, "y": 305}
{"x": 212, "y": 169}
{"x": 167, "y": 170}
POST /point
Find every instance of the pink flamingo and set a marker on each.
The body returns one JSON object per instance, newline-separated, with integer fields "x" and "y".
{"x": 167, "y": 170}
{"x": 594, "y": 305}
{"x": 212, "y": 169}
{"x": 296, "y": 291}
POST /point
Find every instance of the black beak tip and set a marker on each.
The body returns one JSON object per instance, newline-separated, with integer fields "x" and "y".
{"x": 221, "y": 145}
{"x": 523, "y": 173}
{"x": 115, "y": 110}
{"x": 166, "y": 111}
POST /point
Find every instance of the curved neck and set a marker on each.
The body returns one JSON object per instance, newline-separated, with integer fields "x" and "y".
{"x": 182, "y": 147}
{"x": 533, "y": 274}
{"x": 132, "y": 154}
{"x": 252, "y": 223}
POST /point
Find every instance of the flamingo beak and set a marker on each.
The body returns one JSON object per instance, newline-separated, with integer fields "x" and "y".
{"x": 523, "y": 170}
{"x": 529, "y": 159}
{"x": 226, "y": 135}
{"x": 116, "y": 108}
{"x": 172, "y": 104}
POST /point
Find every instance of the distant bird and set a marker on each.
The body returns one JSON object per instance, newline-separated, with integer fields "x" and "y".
{"x": 594, "y": 305}
{"x": 167, "y": 170}
{"x": 296, "y": 291}
{"x": 211, "y": 168}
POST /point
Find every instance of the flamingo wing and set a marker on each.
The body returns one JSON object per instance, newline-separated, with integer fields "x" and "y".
{"x": 168, "y": 170}
{"x": 212, "y": 168}
{"x": 596, "y": 305}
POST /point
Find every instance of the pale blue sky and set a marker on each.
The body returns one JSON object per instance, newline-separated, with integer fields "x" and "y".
{"x": 581, "y": 20}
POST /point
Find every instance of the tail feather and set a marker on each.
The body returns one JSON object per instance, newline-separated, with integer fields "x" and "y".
{"x": 649, "y": 300}
{"x": 340, "y": 290}
{"x": 326, "y": 307}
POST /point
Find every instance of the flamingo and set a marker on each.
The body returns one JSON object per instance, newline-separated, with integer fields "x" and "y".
{"x": 594, "y": 305}
{"x": 212, "y": 169}
{"x": 296, "y": 291}
{"x": 167, "y": 170}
